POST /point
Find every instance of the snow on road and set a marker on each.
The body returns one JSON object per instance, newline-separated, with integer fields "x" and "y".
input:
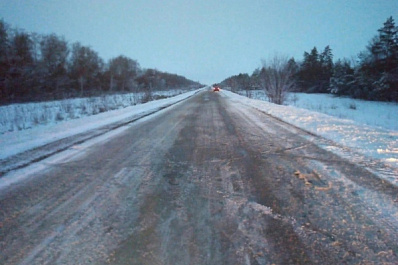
{"x": 371, "y": 142}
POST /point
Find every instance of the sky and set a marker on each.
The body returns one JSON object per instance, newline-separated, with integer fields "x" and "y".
{"x": 205, "y": 40}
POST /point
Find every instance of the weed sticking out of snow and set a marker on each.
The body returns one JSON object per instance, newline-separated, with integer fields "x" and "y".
{"x": 353, "y": 106}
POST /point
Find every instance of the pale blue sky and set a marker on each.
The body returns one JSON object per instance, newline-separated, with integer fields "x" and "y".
{"x": 205, "y": 40}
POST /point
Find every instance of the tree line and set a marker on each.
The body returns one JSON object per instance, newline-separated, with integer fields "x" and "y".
{"x": 36, "y": 67}
{"x": 373, "y": 75}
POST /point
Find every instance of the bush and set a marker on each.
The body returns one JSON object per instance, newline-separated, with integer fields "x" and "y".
{"x": 353, "y": 106}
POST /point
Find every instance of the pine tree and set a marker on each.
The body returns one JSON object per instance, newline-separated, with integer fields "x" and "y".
{"x": 378, "y": 71}
{"x": 326, "y": 64}
{"x": 386, "y": 85}
{"x": 389, "y": 45}
{"x": 342, "y": 80}
{"x": 310, "y": 74}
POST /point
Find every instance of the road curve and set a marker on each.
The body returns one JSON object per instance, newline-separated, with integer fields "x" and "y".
{"x": 207, "y": 181}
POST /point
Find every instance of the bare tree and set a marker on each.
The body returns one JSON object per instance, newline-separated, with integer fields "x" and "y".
{"x": 5, "y": 91}
{"x": 85, "y": 66}
{"x": 122, "y": 71}
{"x": 54, "y": 55}
{"x": 276, "y": 79}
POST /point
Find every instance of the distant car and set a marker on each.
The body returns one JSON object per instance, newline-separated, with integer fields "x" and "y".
{"x": 216, "y": 88}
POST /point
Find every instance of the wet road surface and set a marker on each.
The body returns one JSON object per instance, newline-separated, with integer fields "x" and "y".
{"x": 208, "y": 181}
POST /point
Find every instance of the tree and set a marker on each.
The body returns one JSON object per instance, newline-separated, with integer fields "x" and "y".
{"x": 22, "y": 47}
{"x": 387, "y": 84}
{"x": 294, "y": 68}
{"x": 388, "y": 40}
{"x": 85, "y": 66}
{"x": 276, "y": 79}
{"x": 21, "y": 76}
{"x": 310, "y": 72}
{"x": 4, "y": 64}
{"x": 326, "y": 64}
{"x": 36, "y": 68}
{"x": 342, "y": 80}
{"x": 245, "y": 84}
{"x": 122, "y": 71}
{"x": 4, "y": 44}
{"x": 240, "y": 82}
{"x": 231, "y": 83}
{"x": 377, "y": 75}
{"x": 54, "y": 55}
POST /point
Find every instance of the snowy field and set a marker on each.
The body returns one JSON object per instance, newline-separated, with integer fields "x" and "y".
{"x": 369, "y": 131}
{"x": 17, "y": 141}
{"x": 19, "y": 117}
{"x": 378, "y": 114}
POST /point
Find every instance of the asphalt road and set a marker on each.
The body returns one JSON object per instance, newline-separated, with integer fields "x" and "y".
{"x": 207, "y": 181}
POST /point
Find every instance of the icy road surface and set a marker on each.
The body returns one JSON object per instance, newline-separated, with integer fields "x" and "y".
{"x": 207, "y": 181}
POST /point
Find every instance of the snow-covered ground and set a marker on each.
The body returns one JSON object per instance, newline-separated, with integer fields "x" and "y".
{"x": 19, "y": 117}
{"x": 378, "y": 114}
{"x": 374, "y": 142}
{"x": 379, "y": 140}
{"x": 17, "y": 141}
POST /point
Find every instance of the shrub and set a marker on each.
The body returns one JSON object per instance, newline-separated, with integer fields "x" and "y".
{"x": 353, "y": 106}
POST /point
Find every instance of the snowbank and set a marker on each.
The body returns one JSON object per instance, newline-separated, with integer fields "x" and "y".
{"x": 373, "y": 113}
{"x": 14, "y": 142}
{"x": 367, "y": 140}
{"x": 17, "y": 117}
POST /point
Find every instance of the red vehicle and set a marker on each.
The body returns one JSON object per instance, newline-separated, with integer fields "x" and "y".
{"x": 216, "y": 88}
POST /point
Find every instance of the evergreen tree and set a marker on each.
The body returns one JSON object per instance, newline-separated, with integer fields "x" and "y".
{"x": 326, "y": 64}
{"x": 310, "y": 73}
{"x": 389, "y": 44}
{"x": 342, "y": 80}
{"x": 377, "y": 75}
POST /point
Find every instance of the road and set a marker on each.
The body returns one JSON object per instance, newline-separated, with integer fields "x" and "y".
{"x": 207, "y": 181}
